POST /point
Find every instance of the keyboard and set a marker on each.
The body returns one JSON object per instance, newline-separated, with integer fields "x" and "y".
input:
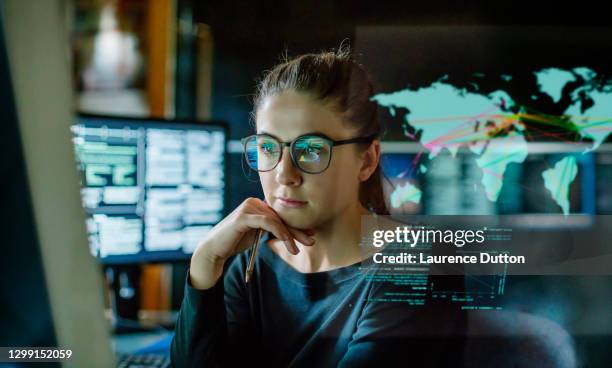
{"x": 143, "y": 361}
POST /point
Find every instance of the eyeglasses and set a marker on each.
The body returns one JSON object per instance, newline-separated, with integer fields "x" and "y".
{"x": 310, "y": 153}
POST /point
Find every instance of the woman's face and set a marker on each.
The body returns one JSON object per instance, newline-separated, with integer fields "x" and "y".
{"x": 323, "y": 196}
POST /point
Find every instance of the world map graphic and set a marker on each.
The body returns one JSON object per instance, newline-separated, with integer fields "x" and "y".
{"x": 497, "y": 129}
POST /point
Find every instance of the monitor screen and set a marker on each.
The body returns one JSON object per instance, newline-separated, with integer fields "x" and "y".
{"x": 151, "y": 188}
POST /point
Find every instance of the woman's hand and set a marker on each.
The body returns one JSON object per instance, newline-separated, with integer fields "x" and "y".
{"x": 234, "y": 234}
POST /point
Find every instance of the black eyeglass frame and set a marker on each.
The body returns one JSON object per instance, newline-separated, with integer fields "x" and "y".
{"x": 290, "y": 144}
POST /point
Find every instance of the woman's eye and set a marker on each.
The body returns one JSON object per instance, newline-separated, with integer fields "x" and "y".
{"x": 267, "y": 148}
{"x": 315, "y": 150}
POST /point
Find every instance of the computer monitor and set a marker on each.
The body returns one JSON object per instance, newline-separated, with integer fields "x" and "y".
{"x": 50, "y": 285}
{"x": 151, "y": 188}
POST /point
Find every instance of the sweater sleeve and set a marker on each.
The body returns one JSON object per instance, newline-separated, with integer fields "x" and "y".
{"x": 213, "y": 323}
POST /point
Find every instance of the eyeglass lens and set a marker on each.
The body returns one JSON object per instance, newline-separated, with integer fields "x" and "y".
{"x": 310, "y": 153}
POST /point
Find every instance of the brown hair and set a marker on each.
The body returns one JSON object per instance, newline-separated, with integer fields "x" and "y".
{"x": 339, "y": 81}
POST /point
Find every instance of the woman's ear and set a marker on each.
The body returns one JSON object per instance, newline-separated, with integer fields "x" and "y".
{"x": 371, "y": 157}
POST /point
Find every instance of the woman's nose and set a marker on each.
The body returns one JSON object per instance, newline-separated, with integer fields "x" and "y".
{"x": 286, "y": 172}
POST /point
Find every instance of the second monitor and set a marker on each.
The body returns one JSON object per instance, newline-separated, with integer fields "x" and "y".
{"x": 151, "y": 188}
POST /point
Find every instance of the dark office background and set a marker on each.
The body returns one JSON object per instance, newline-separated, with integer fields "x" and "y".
{"x": 250, "y": 36}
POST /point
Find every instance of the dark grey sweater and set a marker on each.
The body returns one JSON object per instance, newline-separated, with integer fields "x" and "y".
{"x": 283, "y": 317}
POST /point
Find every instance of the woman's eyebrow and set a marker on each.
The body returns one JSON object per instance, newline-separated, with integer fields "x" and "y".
{"x": 315, "y": 133}
{"x": 307, "y": 133}
{"x": 266, "y": 133}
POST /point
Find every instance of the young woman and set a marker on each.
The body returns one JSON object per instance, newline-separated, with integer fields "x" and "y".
{"x": 317, "y": 151}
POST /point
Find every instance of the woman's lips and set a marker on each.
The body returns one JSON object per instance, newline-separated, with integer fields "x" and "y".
{"x": 291, "y": 203}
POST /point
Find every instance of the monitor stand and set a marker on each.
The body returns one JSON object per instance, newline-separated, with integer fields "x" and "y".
{"x": 124, "y": 285}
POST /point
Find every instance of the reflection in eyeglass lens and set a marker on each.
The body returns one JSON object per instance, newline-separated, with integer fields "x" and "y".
{"x": 311, "y": 153}
{"x": 267, "y": 153}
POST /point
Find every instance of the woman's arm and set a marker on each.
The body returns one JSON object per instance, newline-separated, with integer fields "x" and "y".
{"x": 212, "y": 301}
{"x": 196, "y": 305}
{"x": 214, "y": 326}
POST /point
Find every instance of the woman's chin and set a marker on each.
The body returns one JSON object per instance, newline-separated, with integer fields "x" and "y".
{"x": 295, "y": 220}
